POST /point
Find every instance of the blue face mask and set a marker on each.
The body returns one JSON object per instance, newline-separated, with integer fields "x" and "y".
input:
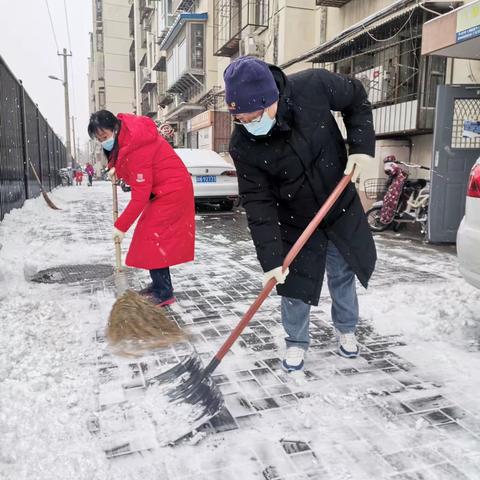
{"x": 109, "y": 143}
{"x": 262, "y": 127}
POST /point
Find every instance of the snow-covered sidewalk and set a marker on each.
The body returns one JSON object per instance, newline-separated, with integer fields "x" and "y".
{"x": 69, "y": 409}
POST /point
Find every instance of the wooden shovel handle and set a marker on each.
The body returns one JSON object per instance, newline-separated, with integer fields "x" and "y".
{"x": 312, "y": 226}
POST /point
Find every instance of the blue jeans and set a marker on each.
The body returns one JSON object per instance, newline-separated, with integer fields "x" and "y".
{"x": 161, "y": 283}
{"x": 341, "y": 285}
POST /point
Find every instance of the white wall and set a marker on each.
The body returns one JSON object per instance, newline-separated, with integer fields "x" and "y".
{"x": 422, "y": 146}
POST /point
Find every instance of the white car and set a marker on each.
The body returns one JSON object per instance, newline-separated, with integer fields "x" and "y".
{"x": 214, "y": 179}
{"x": 468, "y": 235}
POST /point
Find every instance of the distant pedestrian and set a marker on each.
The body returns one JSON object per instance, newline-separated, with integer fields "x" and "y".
{"x": 161, "y": 195}
{"x": 78, "y": 176}
{"x": 90, "y": 172}
{"x": 290, "y": 155}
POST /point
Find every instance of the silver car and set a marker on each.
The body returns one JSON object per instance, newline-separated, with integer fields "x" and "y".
{"x": 214, "y": 179}
{"x": 468, "y": 236}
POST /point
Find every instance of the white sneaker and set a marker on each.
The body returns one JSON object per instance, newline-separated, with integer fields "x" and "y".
{"x": 293, "y": 360}
{"x": 347, "y": 344}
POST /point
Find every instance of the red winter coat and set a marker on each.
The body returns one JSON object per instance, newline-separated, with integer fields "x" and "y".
{"x": 165, "y": 232}
{"x": 90, "y": 170}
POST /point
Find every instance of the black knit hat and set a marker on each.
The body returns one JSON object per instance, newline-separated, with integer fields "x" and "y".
{"x": 249, "y": 85}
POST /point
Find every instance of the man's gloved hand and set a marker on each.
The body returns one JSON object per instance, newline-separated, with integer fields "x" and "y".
{"x": 358, "y": 160}
{"x": 276, "y": 273}
{"x": 111, "y": 174}
{"x": 118, "y": 234}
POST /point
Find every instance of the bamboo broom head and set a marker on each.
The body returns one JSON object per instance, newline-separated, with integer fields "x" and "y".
{"x": 136, "y": 325}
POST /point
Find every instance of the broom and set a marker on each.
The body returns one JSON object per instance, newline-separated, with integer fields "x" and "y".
{"x": 135, "y": 325}
{"x": 44, "y": 193}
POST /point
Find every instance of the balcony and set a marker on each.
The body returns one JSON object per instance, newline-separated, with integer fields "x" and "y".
{"x": 161, "y": 65}
{"x": 185, "y": 61}
{"x": 149, "y": 108}
{"x": 183, "y": 111}
{"x": 179, "y": 6}
{"x": 331, "y": 3}
{"x": 147, "y": 80}
{"x": 231, "y": 18}
{"x": 145, "y": 8}
{"x": 164, "y": 98}
{"x": 401, "y": 84}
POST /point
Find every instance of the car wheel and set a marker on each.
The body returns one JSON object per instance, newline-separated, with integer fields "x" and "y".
{"x": 226, "y": 205}
{"x": 373, "y": 219}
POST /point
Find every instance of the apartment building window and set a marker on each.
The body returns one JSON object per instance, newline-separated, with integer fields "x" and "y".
{"x": 99, "y": 35}
{"x": 98, "y": 10}
{"x": 101, "y": 97}
{"x": 401, "y": 84}
{"x": 231, "y": 18}
{"x": 197, "y": 48}
{"x": 261, "y": 12}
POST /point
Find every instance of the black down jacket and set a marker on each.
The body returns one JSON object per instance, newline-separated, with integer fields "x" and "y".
{"x": 285, "y": 176}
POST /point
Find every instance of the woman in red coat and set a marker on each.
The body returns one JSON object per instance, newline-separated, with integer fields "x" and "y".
{"x": 162, "y": 196}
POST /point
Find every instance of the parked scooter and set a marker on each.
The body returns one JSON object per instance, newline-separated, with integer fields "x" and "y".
{"x": 66, "y": 177}
{"x": 409, "y": 202}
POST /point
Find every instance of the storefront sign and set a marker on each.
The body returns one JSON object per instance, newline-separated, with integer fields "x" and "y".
{"x": 468, "y": 22}
{"x": 205, "y": 138}
{"x": 203, "y": 120}
{"x": 471, "y": 129}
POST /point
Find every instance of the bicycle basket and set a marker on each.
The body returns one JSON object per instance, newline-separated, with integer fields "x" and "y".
{"x": 375, "y": 188}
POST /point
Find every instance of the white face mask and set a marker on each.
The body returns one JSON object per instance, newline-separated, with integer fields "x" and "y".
{"x": 109, "y": 143}
{"x": 262, "y": 127}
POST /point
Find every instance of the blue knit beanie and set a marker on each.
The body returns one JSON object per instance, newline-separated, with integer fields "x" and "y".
{"x": 249, "y": 85}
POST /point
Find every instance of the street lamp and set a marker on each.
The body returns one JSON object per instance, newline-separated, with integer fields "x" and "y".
{"x": 67, "y": 105}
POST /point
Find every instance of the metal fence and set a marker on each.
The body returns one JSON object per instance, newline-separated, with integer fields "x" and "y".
{"x": 25, "y": 136}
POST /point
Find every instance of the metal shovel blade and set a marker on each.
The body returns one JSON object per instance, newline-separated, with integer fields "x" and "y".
{"x": 187, "y": 398}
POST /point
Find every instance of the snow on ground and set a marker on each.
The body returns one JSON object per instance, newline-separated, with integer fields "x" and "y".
{"x": 332, "y": 422}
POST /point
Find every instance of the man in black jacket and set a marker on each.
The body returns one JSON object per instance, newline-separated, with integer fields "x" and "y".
{"x": 290, "y": 155}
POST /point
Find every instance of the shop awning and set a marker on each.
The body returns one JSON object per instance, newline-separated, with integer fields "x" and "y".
{"x": 399, "y": 11}
{"x": 454, "y": 34}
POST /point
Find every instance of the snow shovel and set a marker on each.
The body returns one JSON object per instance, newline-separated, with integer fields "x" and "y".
{"x": 135, "y": 325}
{"x": 191, "y": 396}
{"x": 44, "y": 193}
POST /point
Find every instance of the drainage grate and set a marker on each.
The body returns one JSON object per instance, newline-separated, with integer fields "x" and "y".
{"x": 73, "y": 273}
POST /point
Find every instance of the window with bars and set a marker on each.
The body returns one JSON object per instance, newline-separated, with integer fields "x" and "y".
{"x": 466, "y": 123}
{"x": 400, "y": 83}
{"x": 231, "y": 18}
{"x": 197, "y": 46}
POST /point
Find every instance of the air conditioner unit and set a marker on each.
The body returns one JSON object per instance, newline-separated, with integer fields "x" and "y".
{"x": 147, "y": 74}
{"x": 376, "y": 82}
{"x": 251, "y": 46}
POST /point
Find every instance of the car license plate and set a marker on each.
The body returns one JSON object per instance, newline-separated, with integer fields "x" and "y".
{"x": 206, "y": 179}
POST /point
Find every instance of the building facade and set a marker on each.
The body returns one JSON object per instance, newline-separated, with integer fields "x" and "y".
{"x": 111, "y": 82}
{"x": 177, "y": 50}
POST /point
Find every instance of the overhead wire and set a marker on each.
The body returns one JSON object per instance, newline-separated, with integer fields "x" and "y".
{"x": 394, "y": 35}
{"x": 51, "y": 25}
{"x": 72, "y": 69}
{"x": 54, "y": 34}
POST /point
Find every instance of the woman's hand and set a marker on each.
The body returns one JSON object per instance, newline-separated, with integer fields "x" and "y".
{"x": 111, "y": 174}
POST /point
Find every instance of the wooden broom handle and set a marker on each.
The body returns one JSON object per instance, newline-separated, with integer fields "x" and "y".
{"x": 118, "y": 249}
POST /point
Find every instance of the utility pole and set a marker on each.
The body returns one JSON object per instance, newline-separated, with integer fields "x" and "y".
{"x": 74, "y": 156}
{"x": 67, "y": 105}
